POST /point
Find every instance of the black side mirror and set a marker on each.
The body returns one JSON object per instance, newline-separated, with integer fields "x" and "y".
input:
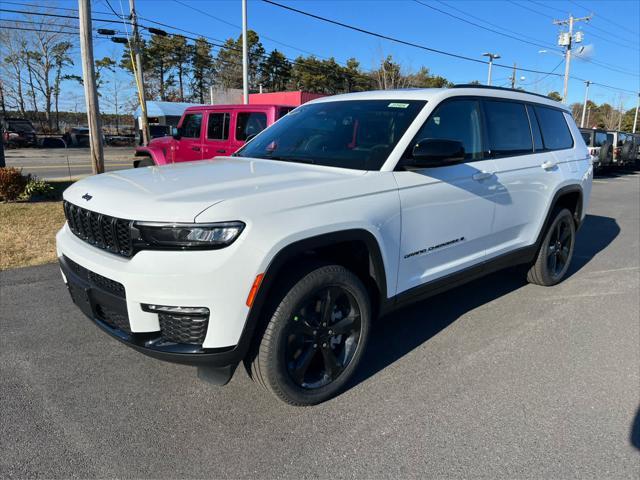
{"x": 250, "y": 137}
{"x": 433, "y": 152}
{"x": 176, "y": 133}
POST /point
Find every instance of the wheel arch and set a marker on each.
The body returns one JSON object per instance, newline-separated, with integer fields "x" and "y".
{"x": 146, "y": 152}
{"x": 569, "y": 196}
{"x": 333, "y": 246}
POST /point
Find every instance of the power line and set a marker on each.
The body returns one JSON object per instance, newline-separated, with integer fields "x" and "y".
{"x": 606, "y": 19}
{"x": 419, "y": 46}
{"x": 489, "y": 23}
{"x": 237, "y": 26}
{"x": 480, "y": 26}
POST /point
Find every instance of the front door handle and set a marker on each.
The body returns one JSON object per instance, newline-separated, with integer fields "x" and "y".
{"x": 549, "y": 165}
{"x": 481, "y": 176}
{"x": 197, "y": 149}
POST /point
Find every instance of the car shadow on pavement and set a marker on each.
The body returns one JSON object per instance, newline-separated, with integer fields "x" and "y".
{"x": 400, "y": 332}
{"x": 595, "y": 234}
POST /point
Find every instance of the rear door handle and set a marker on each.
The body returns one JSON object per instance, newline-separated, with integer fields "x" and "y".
{"x": 549, "y": 165}
{"x": 481, "y": 176}
{"x": 222, "y": 150}
{"x": 197, "y": 149}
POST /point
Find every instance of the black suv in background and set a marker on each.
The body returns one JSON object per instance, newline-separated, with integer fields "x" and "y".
{"x": 18, "y": 132}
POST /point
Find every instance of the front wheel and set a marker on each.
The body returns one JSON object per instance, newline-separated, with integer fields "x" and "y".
{"x": 555, "y": 253}
{"x": 315, "y": 338}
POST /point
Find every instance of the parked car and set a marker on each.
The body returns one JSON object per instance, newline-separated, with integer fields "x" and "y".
{"x": 600, "y": 144}
{"x": 636, "y": 150}
{"x": 281, "y": 255}
{"x": 622, "y": 148}
{"x": 18, "y": 132}
{"x": 207, "y": 131}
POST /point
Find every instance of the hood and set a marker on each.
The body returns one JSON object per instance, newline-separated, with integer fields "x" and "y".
{"x": 179, "y": 192}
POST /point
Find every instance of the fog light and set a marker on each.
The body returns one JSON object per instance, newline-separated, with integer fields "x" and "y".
{"x": 175, "y": 310}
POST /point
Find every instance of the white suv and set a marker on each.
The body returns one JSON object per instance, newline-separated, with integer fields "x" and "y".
{"x": 281, "y": 255}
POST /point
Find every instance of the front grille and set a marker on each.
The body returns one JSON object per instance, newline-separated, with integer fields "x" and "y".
{"x": 102, "y": 231}
{"x": 98, "y": 280}
{"x": 183, "y": 328}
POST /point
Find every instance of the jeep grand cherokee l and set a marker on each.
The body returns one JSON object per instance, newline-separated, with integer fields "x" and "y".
{"x": 280, "y": 256}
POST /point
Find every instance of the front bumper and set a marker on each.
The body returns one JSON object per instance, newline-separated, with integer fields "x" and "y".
{"x": 93, "y": 299}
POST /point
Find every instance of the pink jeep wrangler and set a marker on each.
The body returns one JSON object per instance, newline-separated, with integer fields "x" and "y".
{"x": 207, "y": 131}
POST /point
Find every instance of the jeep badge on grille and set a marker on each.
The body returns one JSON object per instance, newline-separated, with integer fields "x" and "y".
{"x": 87, "y": 197}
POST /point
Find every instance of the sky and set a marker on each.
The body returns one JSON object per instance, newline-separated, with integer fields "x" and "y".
{"x": 611, "y": 39}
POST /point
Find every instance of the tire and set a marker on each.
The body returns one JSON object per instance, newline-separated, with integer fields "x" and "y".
{"x": 143, "y": 162}
{"x": 296, "y": 356}
{"x": 606, "y": 154}
{"x": 555, "y": 253}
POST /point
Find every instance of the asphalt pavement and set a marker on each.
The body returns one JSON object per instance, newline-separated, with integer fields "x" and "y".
{"x": 60, "y": 163}
{"x": 495, "y": 379}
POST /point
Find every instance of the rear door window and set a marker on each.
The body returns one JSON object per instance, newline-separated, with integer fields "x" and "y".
{"x": 508, "y": 128}
{"x": 191, "y": 125}
{"x": 586, "y": 136}
{"x": 218, "y": 127}
{"x": 600, "y": 139}
{"x": 250, "y": 123}
{"x": 555, "y": 131}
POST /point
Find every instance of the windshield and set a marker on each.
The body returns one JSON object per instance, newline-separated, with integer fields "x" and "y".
{"x": 357, "y": 134}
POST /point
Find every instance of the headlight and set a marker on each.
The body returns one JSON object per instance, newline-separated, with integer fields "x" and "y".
{"x": 185, "y": 235}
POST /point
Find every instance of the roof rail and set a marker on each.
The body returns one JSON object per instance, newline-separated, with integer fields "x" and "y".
{"x": 505, "y": 89}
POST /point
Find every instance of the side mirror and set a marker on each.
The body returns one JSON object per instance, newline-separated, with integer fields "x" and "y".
{"x": 250, "y": 137}
{"x": 175, "y": 133}
{"x": 432, "y": 152}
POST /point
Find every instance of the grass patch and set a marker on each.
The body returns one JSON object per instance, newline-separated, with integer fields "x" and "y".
{"x": 27, "y": 233}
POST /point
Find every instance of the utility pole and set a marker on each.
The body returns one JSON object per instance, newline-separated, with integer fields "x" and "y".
{"x": 245, "y": 55}
{"x": 513, "y": 77}
{"x": 137, "y": 69}
{"x": 90, "y": 91}
{"x": 620, "y": 118}
{"x": 635, "y": 119}
{"x": 584, "y": 107}
{"x": 492, "y": 57}
{"x": 588, "y": 114}
{"x": 566, "y": 40}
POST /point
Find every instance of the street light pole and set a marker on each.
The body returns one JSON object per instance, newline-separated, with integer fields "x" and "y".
{"x": 245, "y": 55}
{"x": 584, "y": 106}
{"x": 492, "y": 57}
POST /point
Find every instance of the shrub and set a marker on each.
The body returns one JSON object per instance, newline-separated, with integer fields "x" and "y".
{"x": 36, "y": 188}
{"x": 12, "y": 183}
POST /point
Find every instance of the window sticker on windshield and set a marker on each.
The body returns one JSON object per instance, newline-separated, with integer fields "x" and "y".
{"x": 398, "y": 105}
{"x": 436, "y": 120}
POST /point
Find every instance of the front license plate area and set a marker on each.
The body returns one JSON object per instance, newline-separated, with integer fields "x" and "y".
{"x": 80, "y": 296}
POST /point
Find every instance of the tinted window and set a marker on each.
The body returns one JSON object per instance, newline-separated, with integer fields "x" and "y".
{"x": 586, "y": 136}
{"x": 250, "y": 123}
{"x": 283, "y": 111}
{"x": 457, "y": 120}
{"x": 555, "y": 131}
{"x": 621, "y": 139}
{"x": 508, "y": 128}
{"x": 218, "y": 128}
{"x": 357, "y": 134}
{"x": 601, "y": 138}
{"x": 535, "y": 129}
{"x": 191, "y": 125}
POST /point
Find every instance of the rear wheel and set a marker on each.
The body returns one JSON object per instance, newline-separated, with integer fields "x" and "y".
{"x": 555, "y": 253}
{"x": 315, "y": 338}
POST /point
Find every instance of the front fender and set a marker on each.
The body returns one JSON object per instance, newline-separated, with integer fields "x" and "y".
{"x": 158, "y": 155}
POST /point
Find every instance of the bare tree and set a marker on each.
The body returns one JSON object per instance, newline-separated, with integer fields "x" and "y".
{"x": 12, "y": 67}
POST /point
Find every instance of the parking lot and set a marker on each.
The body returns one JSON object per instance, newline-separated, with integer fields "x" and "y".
{"x": 60, "y": 163}
{"x": 495, "y": 379}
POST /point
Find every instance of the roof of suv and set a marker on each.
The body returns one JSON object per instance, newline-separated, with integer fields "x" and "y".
{"x": 441, "y": 93}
